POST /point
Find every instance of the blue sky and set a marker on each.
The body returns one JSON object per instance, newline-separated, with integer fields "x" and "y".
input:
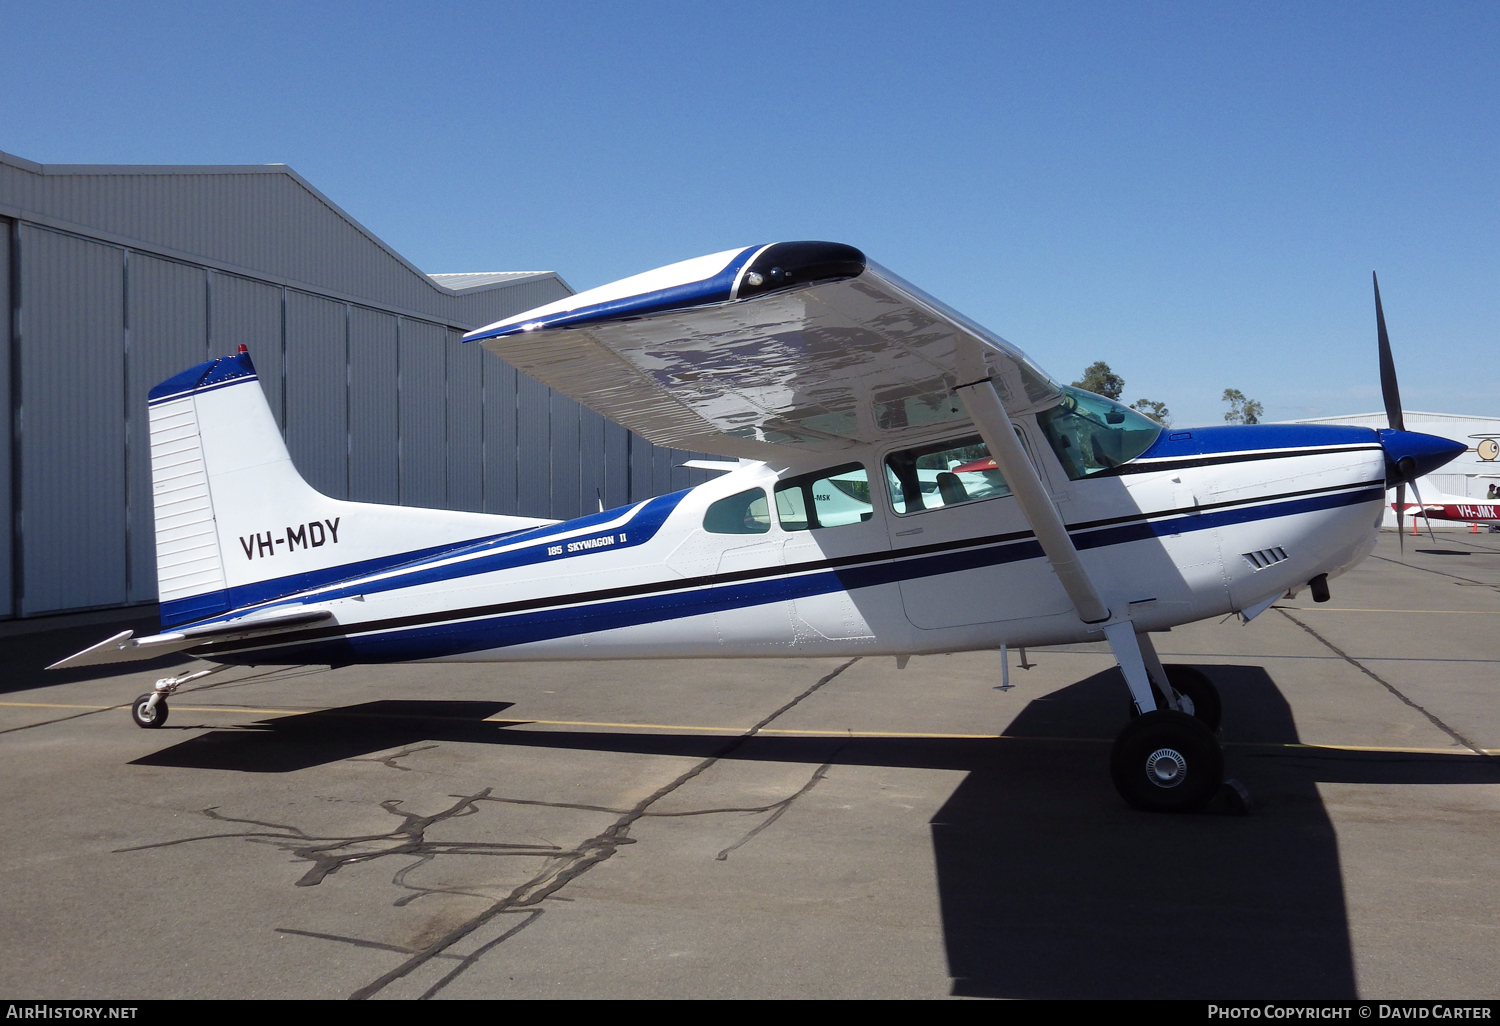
{"x": 1194, "y": 192}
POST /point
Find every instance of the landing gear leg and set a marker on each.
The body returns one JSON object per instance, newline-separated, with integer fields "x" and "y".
{"x": 150, "y": 709}
{"x": 1190, "y": 690}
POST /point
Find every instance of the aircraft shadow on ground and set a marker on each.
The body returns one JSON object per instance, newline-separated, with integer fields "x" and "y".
{"x": 304, "y": 740}
{"x": 1049, "y": 885}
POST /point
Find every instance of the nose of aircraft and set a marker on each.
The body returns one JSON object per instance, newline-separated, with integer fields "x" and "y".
{"x": 1410, "y": 454}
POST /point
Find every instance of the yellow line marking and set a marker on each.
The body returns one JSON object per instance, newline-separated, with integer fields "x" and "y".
{"x": 831, "y": 733}
{"x": 768, "y": 730}
{"x": 1379, "y": 748}
{"x": 523, "y": 720}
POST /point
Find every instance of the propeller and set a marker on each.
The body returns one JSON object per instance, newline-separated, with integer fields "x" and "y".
{"x": 1388, "y": 390}
{"x": 1406, "y": 467}
{"x": 1408, "y": 454}
{"x": 1392, "y": 396}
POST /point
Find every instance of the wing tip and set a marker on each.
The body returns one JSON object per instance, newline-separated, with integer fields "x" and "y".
{"x": 751, "y": 272}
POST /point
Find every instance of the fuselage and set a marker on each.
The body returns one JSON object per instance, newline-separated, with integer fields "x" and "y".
{"x": 873, "y": 551}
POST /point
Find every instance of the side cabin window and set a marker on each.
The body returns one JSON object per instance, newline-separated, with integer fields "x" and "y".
{"x": 1092, "y": 434}
{"x": 746, "y": 512}
{"x": 945, "y": 473}
{"x": 824, "y": 498}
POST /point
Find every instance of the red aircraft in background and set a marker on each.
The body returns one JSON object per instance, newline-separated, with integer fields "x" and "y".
{"x": 1457, "y": 508}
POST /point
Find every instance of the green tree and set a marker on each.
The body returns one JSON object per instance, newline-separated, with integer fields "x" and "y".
{"x": 1153, "y": 409}
{"x": 1100, "y": 380}
{"x": 1241, "y": 410}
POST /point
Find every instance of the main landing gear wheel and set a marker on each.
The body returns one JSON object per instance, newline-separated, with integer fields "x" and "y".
{"x": 145, "y": 716}
{"x": 1194, "y": 686}
{"x": 1166, "y": 761}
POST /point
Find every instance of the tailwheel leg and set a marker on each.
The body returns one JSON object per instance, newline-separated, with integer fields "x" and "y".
{"x": 150, "y": 710}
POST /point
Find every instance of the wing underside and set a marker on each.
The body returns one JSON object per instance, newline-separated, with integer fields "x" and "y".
{"x": 815, "y": 367}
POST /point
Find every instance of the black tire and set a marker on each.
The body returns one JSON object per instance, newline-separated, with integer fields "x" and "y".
{"x": 147, "y": 717}
{"x": 1195, "y": 685}
{"x": 1166, "y": 761}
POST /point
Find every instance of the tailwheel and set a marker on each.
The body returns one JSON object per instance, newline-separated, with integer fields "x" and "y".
{"x": 1167, "y": 761}
{"x": 147, "y": 715}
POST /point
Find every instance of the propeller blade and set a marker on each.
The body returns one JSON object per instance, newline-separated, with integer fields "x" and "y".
{"x": 1388, "y": 389}
{"x": 1401, "y": 517}
{"x": 1417, "y": 492}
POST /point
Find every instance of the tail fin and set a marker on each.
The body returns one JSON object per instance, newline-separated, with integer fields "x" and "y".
{"x": 235, "y": 522}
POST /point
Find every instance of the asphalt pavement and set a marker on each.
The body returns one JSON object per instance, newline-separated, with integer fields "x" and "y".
{"x": 769, "y": 828}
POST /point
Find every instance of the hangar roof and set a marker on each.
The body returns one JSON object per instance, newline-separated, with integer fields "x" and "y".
{"x": 470, "y": 280}
{"x": 261, "y": 221}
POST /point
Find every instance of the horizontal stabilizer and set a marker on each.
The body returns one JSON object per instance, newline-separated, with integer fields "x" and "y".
{"x": 125, "y": 647}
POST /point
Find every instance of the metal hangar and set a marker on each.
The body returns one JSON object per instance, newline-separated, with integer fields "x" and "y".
{"x": 115, "y": 277}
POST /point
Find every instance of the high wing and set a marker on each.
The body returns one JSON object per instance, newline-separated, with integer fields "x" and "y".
{"x": 801, "y": 346}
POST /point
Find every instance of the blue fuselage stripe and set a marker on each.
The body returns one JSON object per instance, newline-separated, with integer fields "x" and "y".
{"x": 331, "y": 583}
{"x": 507, "y": 630}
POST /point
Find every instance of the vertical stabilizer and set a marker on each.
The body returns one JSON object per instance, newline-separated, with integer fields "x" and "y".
{"x": 236, "y": 525}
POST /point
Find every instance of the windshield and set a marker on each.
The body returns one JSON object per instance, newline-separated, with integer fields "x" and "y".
{"x": 1092, "y": 434}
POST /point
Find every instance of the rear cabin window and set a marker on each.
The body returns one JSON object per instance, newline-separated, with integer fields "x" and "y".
{"x": 746, "y": 512}
{"x": 941, "y": 474}
{"x": 825, "y": 498}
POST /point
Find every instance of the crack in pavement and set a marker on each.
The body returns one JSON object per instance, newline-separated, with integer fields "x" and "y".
{"x": 780, "y": 808}
{"x": 358, "y": 942}
{"x": 330, "y": 854}
{"x": 1362, "y": 668}
{"x": 776, "y": 808}
{"x": 567, "y": 867}
{"x": 390, "y": 760}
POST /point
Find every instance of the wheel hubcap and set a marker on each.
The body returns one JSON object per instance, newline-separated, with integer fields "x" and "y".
{"x": 1166, "y": 767}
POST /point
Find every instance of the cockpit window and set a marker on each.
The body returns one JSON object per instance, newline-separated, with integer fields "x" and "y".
{"x": 1092, "y": 434}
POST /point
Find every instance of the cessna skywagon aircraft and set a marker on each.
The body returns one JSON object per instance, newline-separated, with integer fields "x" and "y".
{"x": 899, "y": 481}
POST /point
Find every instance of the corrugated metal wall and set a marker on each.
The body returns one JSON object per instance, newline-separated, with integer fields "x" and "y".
{"x": 8, "y": 241}
{"x": 375, "y": 407}
{"x": 72, "y": 423}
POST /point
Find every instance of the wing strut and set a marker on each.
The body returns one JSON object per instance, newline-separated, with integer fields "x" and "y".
{"x": 988, "y": 413}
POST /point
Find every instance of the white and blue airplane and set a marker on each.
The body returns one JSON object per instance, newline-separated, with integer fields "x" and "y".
{"x": 857, "y": 514}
